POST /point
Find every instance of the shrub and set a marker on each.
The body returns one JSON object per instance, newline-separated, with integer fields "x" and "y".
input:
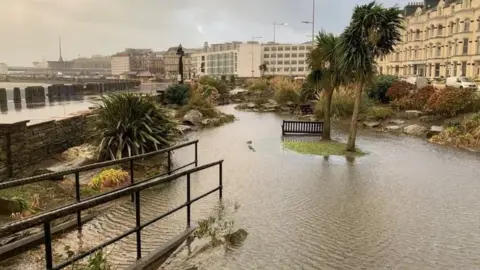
{"x": 131, "y": 124}
{"x": 466, "y": 135}
{"x": 343, "y": 102}
{"x": 379, "y": 113}
{"x": 109, "y": 178}
{"x": 286, "y": 90}
{"x": 221, "y": 86}
{"x": 378, "y": 90}
{"x": 177, "y": 94}
{"x": 199, "y": 102}
{"x": 415, "y": 100}
{"x": 449, "y": 102}
{"x": 257, "y": 84}
{"x": 308, "y": 92}
{"x": 399, "y": 89}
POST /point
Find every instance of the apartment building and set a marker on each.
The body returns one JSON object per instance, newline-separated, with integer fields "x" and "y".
{"x": 226, "y": 59}
{"x": 135, "y": 61}
{"x": 286, "y": 59}
{"x": 244, "y": 59}
{"x": 171, "y": 61}
{"x": 441, "y": 39}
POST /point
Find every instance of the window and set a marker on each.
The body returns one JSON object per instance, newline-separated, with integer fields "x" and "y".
{"x": 294, "y": 62}
{"x": 266, "y": 62}
{"x": 301, "y": 62}
{"x": 465, "y": 46}
{"x": 280, "y": 55}
{"x": 301, "y": 48}
{"x": 280, "y": 62}
{"x": 301, "y": 69}
{"x": 287, "y": 62}
{"x": 294, "y": 48}
{"x": 430, "y": 51}
{"x": 301, "y": 55}
{"x": 466, "y": 25}
{"x": 274, "y": 49}
{"x": 437, "y": 70}
{"x": 286, "y": 69}
{"x": 309, "y": 48}
{"x": 464, "y": 69}
{"x": 265, "y": 56}
{"x": 294, "y": 55}
{"x": 450, "y": 28}
{"x": 478, "y": 45}
{"x": 273, "y": 55}
{"x": 267, "y": 49}
{"x": 426, "y": 32}
{"x": 455, "y": 50}
{"x": 279, "y": 69}
{"x": 287, "y": 48}
{"x": 432, "y": 31}
{"x": 457, "y": 26}
{"x": 454, "y": 68}
{"x": 287, "y": 55}
{"x": 416, "y": 53}
{"x": 417, "y": 35}
{"x": 397, "y": 56}
{"x": 280, "y": 49}
{"x": 449, "y": 48}
{"x": 294, "y": 69}
{"x": 439, "y": 50}
{"x": 440, "y": 30}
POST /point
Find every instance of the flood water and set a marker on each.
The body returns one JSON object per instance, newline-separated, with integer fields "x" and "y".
{"x": 407, "y": 204}
{"x": 40, "y": 112}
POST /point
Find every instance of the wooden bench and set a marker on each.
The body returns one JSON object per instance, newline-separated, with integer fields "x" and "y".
{"x": 302, "y": 127}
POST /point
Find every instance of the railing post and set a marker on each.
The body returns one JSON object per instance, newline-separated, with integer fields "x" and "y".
{"x": 48, "y": 245}
{"x": 137, "y": 223}
{"x": 196, "y": 154}
{"x": 169, "y": 162}
{"x": 132, "y": 179}
{"x": 77, "y": 195}
{"x": 220, "y": 180}
{"x": 188, "y": 200}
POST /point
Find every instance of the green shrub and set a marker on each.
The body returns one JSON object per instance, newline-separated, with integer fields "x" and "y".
{"x": 131, "y": 124}
{"x": 343, "y": 102}
{"x": 221, "y": 86}
{"x": 399, "y": 89}
{"x": 379, "y": 113}
{"x": 450, "y": 101}
{"x": 199, "y": 102}
{"x": 109, "y": 178}
{"x": 256, "y": 85}
{"x": 177, "y": 94}
{"x": 286, "y": 90}
{"x": 378, "y": 90}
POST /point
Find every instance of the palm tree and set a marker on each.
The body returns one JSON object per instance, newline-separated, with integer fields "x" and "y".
{"x": 323, "y": 60}
{"x": 263, "y": 68}
{"x": 373, "y": 32}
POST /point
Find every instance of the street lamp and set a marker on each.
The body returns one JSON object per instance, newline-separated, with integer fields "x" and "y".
{"x": 312, "y": 23}
{"x": 253, "y": 41}
{"x": 275, "y": 24}
{"x": 180, "y": 53}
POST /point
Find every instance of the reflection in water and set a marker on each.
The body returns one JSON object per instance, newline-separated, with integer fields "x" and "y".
{"x": 3, "y": 107}
{"x": 407, "y": 204}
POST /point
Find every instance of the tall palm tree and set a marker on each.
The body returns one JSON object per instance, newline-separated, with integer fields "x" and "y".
{"x": 373, "y": 32}
{"x": 323, "y": 60}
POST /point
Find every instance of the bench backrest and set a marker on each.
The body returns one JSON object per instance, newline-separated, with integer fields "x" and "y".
{"x": 302, "y": 127}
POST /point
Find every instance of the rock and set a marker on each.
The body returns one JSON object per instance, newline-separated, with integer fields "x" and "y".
{"x": 192, "y": 117}
{"x": 285, "y": 109}
{"x": 273, "y": 102}
{"x": 256, "y": 110}
{"x": 397, "y": 121}
{"x": 393, "y": 128}
{"x": 371, "y": 124}
{"x": 7, "y": 207}
{"x": 413, "y": 114}
{"x": 434, "y": 130}
{"x": 237, "y": 100}
{"x": 270, "y": 106}
{"x": 452, "y": 123}
{"x": 206, "y": 122}
{"x": 416, "y": 130}
{"x": 211, "y": 121}
{"x": 249, "y": 142}
{"x": 251, "y": 105}
{"x": 237, "y": 237}
{"x": 184, "y": 128}
{"x": 290, "y": 103}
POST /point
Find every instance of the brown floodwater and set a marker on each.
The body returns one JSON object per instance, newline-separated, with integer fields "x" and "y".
{"x": 408, "y": 204}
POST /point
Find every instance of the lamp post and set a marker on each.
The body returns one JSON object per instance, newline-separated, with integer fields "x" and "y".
{"x": 312, "y": 22}
{"x": 275, "y": 24}
{"x": 180, "y": 53}
{"x": 253, "y": 41}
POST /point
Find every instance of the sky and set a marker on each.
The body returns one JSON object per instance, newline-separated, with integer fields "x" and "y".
{"x": 29, "y": 29}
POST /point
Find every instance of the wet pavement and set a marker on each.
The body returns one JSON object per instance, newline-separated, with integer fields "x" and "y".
{"x": 408, "y": 204}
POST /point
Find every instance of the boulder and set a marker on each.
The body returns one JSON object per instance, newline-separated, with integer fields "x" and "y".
{"x": 210, "y": 121}
{"x": 237, "y": 237}
{"x": 284, "y": 109}
{"x": 290, "y": 103}
{"x": 413, "y": 114}
{"x": 272, "y": 102}
{"x": 371, "y": 124}
{"x": 434, "y": 130}
{"x": 416, "y": 130}
{"x": 397, "y": 121}
{"x": 251, "y": 105}
{"x": 393, "y": 128}
{"x": 192, "y": 117}
{"x": 184, "y": 128}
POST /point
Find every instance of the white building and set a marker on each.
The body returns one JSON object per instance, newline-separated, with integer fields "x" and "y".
{"x": 233, "y": 58}
{"x": 244, "y": 59}
{"x": 120, "y": 65}
{"x": 3, "y": 69}
{"x": 286, "y": 59}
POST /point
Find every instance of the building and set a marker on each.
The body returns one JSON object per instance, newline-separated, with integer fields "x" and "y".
{"x": 137, "y": 60}
{"x": 171, "y": 62}
{"x": 226, "y": 59}
{"x": 441, "y": 39}
{"x": 3, "y": 69}
{"x": 286, "y": 59}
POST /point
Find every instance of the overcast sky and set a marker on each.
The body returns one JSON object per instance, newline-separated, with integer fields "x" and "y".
{"x": 29, "y": 29}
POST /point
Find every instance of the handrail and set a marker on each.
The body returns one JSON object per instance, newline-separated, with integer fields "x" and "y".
{"x": 49, "y": 176}
{"x": 29, "y": 222}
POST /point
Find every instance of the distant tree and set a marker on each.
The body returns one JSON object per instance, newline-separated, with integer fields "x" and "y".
{"x": 263, "y": 68}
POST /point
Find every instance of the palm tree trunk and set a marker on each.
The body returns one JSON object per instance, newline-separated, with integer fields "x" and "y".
{"x": 326, "y": 115}
{"x": 356, "y": 113}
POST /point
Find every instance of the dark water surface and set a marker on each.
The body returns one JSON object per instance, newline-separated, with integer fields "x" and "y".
{"x": 408, "y": 204}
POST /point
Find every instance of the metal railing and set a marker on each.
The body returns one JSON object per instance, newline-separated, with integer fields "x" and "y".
{"x": 46, "y": 218}
{"x": 76, "y": 172}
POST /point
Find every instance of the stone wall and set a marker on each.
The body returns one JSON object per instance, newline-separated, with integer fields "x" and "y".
{"x": 23, "y": 145}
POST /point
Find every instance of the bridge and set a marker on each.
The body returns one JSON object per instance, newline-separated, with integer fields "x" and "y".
{"x": 51, "y": 71}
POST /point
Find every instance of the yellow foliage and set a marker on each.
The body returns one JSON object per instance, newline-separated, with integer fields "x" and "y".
{"x": 466, "y": 135}
{"x": 286, "y": 89}
{"x": 109, "y": 178}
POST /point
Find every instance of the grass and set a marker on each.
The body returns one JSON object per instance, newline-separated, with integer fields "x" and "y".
{"x": 379, "y": 113}
{"x": 320, "y": 148}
